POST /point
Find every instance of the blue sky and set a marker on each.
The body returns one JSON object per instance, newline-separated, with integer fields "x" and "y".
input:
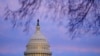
{"x": 13, "y": 41}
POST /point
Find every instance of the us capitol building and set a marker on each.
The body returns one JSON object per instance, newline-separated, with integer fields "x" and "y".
{"x": 38, "y": 45}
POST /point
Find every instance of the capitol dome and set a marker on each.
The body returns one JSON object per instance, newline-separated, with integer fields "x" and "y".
{"x": 38, "y": 45}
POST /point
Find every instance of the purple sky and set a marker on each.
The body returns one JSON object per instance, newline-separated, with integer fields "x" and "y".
{"x": 13, "y": 41}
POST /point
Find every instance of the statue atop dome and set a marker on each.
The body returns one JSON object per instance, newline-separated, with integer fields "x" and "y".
{"x": 38, "y": 25}
{"x": 38, "y": 22}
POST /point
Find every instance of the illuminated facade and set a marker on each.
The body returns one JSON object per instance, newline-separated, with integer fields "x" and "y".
{"x": 38, "y": 45}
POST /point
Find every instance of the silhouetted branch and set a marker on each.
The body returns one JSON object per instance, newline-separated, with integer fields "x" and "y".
{"x": 60, "y": 9}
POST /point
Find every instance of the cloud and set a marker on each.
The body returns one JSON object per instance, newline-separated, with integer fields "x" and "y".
{"x": 10, "y": 49}
{"x": 75, "y": 49}
{"x": 13, "y": 4}
{"x": 2, "y": 8}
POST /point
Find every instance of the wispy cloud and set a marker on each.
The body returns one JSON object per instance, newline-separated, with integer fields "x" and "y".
{"x": 76, "y": 49}
{"x": 11, "y": 50}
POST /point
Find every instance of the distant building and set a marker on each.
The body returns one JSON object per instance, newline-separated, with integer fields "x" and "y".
{"x": 38, "y": 45}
